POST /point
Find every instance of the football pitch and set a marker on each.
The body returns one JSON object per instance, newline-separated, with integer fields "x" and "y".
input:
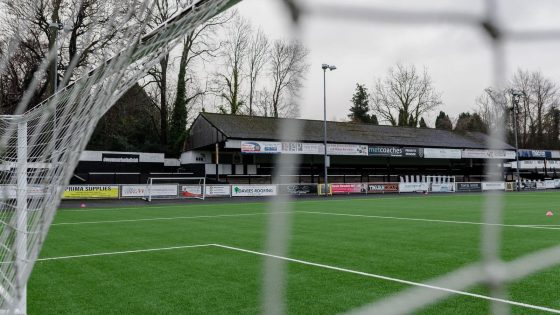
{"x": 207, "y": 258}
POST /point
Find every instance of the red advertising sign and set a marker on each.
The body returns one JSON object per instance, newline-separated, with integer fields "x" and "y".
{"x": 348, "y": 188}
{"x": 381, "y": 188}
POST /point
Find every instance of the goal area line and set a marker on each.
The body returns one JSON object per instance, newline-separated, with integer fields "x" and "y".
{"x": 313, "y": 264}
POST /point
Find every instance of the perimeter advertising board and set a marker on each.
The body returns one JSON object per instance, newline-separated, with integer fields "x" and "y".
{"x": 218, "y": 190}
{"x": 413, "y": 187}
{"x": 528, "y": 185}
{"x": 302, "y": 148}
{"x": 298, "y": 189}
{"x": 464, "y": 187}
{"x": 381, "y": 188}
{"x": 347, "y": 149}
{"x": 348, "y": 188}
{"x": 87, "y": 192}
{"x": 486, "y": 186}
{"x": 140, "y": 191}
{"x": 443, "y": 187}
{"x": 191, "y": 191}
{"x": 253, "y": 190}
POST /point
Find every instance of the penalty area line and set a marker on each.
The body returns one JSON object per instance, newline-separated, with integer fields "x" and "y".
{"x": 125, "y": 252}
{"x": 381, "y": 277}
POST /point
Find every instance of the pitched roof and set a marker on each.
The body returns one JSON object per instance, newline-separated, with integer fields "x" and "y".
{"x": 267, "y": 128}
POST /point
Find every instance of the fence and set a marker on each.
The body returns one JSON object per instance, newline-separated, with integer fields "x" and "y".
{"x": 257, "y": 190}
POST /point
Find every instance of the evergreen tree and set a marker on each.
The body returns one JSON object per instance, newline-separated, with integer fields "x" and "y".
{"x": 443, "y": 121}
{"x": 423, "y": 123}
{"x": 360, "y": 106}
{"x": 468, "y": 122}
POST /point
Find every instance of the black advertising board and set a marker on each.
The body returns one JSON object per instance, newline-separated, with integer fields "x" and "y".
{"x": 469, "y": 186}
{"x": 381, "y": 188}
{"x": 390, "y": 151}
{"x": 298, "y": 189}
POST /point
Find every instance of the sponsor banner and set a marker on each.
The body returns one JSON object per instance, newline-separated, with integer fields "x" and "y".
{"x": 541, "y": 185}
{"x": 10, "y": 192}
{"x": 140, "y": 191}
{"x": 298, "y": 189}
{"x": 443, "y": 187}
{"x": 86, "y": 192}
{"x": 557, "y": 183}
{"x": 391, "y": 151}
{"x": 218, "y": 190}
{"x": 493, "y": 186}
{"x": 381, "y": 188}
{"x": 302, "y": 148}
{"x": 261, "y": 147}
{"x": 120, "y": 158}
{"x": 528, "y": 185}
{"x": 191, "y": 191}
{"x": 431, "y": 153}
{"x": 347, "y": 149}
{"x": 413, "y": 187}
{"x": 555, "y": 154}
{"x": 488, "y": 154}
{"x": 253, "y": 190}
{"x": 549, "y": 184}
{"x": 535, "y": 153}
{"x": 348, "y": 188}
{"x": 468, "y": 187}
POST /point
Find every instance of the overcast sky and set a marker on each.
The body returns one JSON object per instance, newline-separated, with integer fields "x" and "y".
{"x": 458, "y": 57}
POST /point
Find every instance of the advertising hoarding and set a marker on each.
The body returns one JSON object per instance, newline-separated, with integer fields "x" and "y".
{"x": 381, "y": 188}
{"x": 488, "y": 154}
{"x": 140, "y": 191}
{"x": 486, "y": 186}
{"x": 348, "y": 188}
{"x": 347, "y": 149}
{"x": 298, "y": 189}
{"x": 392, "y": 151}
{"x": 464, "y": 187}
{"x": 413, "y": 187}
{"x": 218, "y": 190}
{"x": 253, "y": 190}
{"x": 93, "y": 191}
{"x": 302, "y": 148}
{"x": 261, "y": 147}
{"x": 443, "y": 187}
{"x": 432, "y": 153}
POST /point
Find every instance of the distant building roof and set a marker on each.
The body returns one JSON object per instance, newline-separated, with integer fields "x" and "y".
{"x": 266, "y": 128}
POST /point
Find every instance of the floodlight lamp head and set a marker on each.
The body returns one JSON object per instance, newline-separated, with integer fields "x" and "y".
{"x": 332, "y": 68}
{"x": 325, "y": 66}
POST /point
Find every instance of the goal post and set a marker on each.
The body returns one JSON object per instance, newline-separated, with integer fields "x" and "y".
{"x": 176, "y": 188}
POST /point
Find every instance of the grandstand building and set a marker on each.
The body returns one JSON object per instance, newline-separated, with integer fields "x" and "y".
{"x": 242, "y": 149}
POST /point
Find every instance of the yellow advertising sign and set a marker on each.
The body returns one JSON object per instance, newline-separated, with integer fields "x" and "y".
{"x": 86, "y": 192}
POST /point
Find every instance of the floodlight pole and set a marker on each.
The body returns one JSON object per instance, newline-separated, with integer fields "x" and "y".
{"x": 516, "y": 95}
{"x": 331, "y": 68}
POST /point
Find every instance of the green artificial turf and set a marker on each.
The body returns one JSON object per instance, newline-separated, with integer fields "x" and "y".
{"x": 213, "y": 280}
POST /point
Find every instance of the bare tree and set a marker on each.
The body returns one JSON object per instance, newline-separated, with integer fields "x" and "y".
{"x": 258, "y": 51}
{"x": 234, "y": 53}
{"x": 288, "y": 69}
{"x": 404, "y": 96}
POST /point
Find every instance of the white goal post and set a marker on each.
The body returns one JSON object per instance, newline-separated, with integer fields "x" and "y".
{"x": 175, "y": 188}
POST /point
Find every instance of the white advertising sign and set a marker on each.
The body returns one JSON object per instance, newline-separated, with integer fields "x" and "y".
{"x": 541, "y": 185}
{"x": 445, "y": 187}
{"x": 549, "y": 184}
{"x": 218, "y": 190}
{"x": 487, "y": 154}
{"x": 302, "y": 148}
{"x": 253, "y": 190}
{"x": 347, "y": 149}
{"x": 557, "y": 183}
{"x": 431, "y": 153}
{"x": 139, "y": 191}
{"x": 261, "y": 147}
{"x": 413, "y": 187}
{"x": 493, "y": 186}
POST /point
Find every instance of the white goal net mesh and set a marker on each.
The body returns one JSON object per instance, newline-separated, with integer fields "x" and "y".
{"x": 40, "y": 148}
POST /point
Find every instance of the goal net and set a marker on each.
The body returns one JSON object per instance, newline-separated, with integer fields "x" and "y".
{"x": 176, "y": 188}
{"x": 40, "y": 144}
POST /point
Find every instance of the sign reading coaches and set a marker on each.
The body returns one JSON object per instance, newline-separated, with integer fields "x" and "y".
{"x": 390, "y": 151}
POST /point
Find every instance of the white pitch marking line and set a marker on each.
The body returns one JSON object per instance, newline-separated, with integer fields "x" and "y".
{"x": 418, "y": 284}
{"x": 429, "y": 220}
{"x": 166, "y": 218}
{"x": 125, "y": 252}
